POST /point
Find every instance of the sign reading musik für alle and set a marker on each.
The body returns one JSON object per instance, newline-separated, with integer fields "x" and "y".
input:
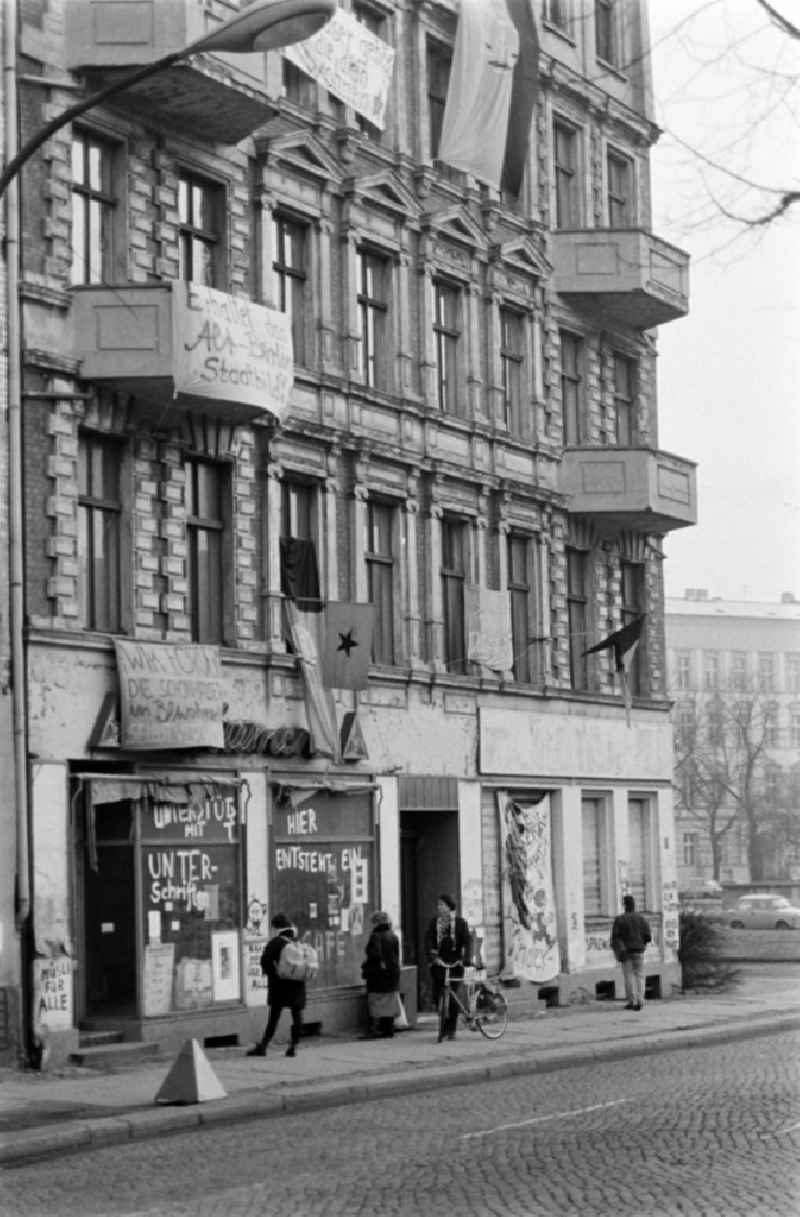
{"x": 230, "y": 349}
{"x": 170, "y": 695}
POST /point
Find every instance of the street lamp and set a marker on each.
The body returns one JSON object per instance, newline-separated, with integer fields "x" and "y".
{"x": 265, "y": 25}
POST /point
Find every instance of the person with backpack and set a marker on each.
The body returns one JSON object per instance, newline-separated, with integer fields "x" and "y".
{"x": 282, "y": 992}
{"x": 381, "y": 971}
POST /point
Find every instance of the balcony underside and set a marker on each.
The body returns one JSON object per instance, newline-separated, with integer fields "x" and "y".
{"x": 633, "y": 488}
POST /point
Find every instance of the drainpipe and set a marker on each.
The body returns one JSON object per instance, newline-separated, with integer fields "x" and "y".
{"x": 15, "y": 506}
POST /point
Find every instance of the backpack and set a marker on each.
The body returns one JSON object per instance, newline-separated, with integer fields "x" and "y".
{"x": 297, "y": 961}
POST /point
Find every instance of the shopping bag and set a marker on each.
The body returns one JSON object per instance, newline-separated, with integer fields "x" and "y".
{"x": 401, "y": 1018}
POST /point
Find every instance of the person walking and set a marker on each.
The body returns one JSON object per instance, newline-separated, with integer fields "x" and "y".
{"x": 447, "y": 940}
{"x": 630, "y": 935}
{"x": 381, "y": 971}
{"x": 281, "y": 993}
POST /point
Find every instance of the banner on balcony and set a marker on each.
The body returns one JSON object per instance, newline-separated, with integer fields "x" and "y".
{"x": 230, "y": 349}
{"x": 488, "y": 627}
{"x": 351, "y": 62}
{"x": 170, "y": 695}
{"x": 529, "y": 915}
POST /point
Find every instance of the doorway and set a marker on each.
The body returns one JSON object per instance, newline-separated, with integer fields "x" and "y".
{"x": 429, "y": 865}
{"x": 110, "y": 916}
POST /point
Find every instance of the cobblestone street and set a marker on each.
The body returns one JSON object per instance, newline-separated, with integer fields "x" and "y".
{"x": 698, "y": 1132}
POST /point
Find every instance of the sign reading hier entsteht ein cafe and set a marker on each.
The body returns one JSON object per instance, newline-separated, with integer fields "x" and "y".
{"x": 170, "y": 695}
{"x": 230, "y": 349}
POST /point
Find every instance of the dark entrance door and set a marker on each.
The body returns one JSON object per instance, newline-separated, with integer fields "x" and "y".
{"x": 428, "y": 866}
{"x": 110, "y": 916}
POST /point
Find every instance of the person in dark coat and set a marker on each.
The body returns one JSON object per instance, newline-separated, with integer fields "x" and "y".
{"x": 447, "y": 940}
{"x": 281, "y": 993}
{"x": 630, "y": 935}
{"x": 381, "y": 971}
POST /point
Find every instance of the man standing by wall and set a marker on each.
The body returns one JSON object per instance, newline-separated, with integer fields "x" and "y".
{"x": 630, "y": 935}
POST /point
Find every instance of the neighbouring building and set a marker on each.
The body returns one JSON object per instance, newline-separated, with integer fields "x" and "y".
{"x": 471, "y": 446}
{"x": 734, "y": 673}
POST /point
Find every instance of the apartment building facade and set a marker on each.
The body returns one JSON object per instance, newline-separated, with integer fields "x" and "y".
{"x": 473, "y": 409}
{"x": 734, "y": 672}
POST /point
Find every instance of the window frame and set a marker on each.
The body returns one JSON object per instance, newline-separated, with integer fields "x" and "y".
{"x": 447, "y": 340}
{"x": 625, "y": 390}
{"x": 683, "y": 670}
{"x": 571, "y": 380}
{"x": 455, "y": 542}
{"x": 566, "y": 176}
{"x": 373, "y": 316}
{"x": 290, "y": 282}
{"x": 523, "y": 590}
{"x": 558, "y": 14}
{"x": 633, "y": 604}
{"x": 620, "y": 195}
{"x": 438, "y": 65}
{"x": 378, "y": 562}
{"x": 104, "y": 197}
{"x": 513, "y": 380}
{"x": 192, "y": 234}
{"x": 601, "y": 886}
{"x": 108, "y": 511}
{"x": 208, "y": 629}
{"x": 606, "y": 33}
{"x": 578, "y": 608}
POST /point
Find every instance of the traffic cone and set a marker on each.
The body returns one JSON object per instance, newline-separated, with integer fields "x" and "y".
{"x": 191, "y": 1078}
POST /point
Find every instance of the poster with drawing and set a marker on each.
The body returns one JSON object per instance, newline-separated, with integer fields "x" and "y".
{"x": 225, "y": 965}
{"x": 529, "y": 915}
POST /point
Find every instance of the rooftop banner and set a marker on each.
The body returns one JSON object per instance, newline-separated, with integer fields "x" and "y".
{"x": 170, "y": 695}
{"x": 230, "y": 349}
{"x": 351, "y": 62}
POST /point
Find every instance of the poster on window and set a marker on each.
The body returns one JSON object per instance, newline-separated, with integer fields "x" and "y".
{"x": 529, "y": 915}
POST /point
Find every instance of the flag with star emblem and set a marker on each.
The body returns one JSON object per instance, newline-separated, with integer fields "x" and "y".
{"x": 348, "y": 645}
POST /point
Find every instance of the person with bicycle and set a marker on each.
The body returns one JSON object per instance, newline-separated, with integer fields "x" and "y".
{"x": 447, "y": 941}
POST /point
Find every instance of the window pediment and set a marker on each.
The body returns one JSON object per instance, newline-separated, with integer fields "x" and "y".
{"x": 456, "y": 226}
{"x": 383, "y": 192}
{"x": 300, "y": 152}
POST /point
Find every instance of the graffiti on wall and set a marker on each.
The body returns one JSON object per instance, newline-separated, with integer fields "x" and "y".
{"x": 529, "y": 915}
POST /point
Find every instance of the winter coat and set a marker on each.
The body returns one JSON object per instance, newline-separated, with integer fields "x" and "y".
{"x": 281, "y": 992}
{"x": 381, "y": 967}
{"x": 630, "y": 935}
{"x": 454, "y": 948}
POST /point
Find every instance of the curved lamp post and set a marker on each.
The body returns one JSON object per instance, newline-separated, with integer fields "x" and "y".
{"x": 265, "y": 25}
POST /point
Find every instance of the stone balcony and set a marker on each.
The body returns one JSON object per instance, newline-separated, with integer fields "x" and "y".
{"x": 622, "y": 276}
{"x": 630, "y": 488}
{"x": 218, "y": 97}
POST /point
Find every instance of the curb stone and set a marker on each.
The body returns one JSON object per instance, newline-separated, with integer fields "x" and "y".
{"x": 98, "y": 1132}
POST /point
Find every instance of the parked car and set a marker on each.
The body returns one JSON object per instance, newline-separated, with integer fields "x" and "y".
{"x": 763, "y": 911}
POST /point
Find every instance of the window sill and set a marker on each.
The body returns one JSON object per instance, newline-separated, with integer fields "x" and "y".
{"x": 613, "y": 70}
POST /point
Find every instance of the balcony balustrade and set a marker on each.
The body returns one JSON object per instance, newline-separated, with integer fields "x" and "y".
{"x": 630, "y": 488}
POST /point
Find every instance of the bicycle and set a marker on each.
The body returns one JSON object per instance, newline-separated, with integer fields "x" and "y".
{"x": 486, "y": 1009}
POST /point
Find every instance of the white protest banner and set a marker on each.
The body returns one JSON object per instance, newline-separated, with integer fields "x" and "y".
{"x": 351, "y": 62}
{"x": 488, "y": 616}
{"x": 170, "y": 695}
{"x": 230, "y": 349}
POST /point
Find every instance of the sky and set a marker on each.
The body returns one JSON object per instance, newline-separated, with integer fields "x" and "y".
{"x": 727, "y": 100}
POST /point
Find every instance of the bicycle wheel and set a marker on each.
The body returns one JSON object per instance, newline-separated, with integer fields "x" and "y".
{"x": 491, "y": 1012}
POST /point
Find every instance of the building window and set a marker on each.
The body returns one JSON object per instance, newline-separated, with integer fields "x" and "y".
{"x": 605, "y": 32}
{"x": 373, "y": 277}
{"x": 93, "y": 206}
{"x": 379, "y": 559}
{"x": 710, "y": 670}
{"x": 772, "y": 734}
{"x": 772, "y": 784}
{"x": 595, "y": 862}
{"x": 375, "y": 22}
{"x": 205, "y": 528}
{"x": 289, "y": 278}
{"x": 455, "y": 565}
{"x": 199, "y": 218}
{"x": 571, "y": 381}
{"x": 632, "y": 587}
{"x": 439, "y": 59}
{"x": 565, "y": 156}
{"x": 578, "y": 612}
{"x": 794, "y": 729}
{"x": 683, "y": 670}
{"x": 447, "y": 333}
{"x": 99, "y": 511}
{"x": 739, "y": 671}
{"x": 521, "y": 573}
{"x": 639, "y": 846}
{"x": 512, "y": 360}
{"x": 557, "y": 13}
{"x": 685, "y": 725}
{"x": 619, "y": 171}
{"x": 766, "y": 672}
{"x": 689, "y": 849}
{"x": 793, "y": 673}
{"x": 298, "y": 87}
{"x": 623, "y": 425}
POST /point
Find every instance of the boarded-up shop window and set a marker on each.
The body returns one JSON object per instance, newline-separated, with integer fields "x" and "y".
{"x": 323, "y": 876}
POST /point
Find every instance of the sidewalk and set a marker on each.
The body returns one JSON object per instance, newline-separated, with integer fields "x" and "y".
{"x": 44, "y": 1114}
